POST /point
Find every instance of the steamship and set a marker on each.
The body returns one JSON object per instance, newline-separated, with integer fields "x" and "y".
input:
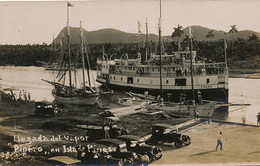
{"x": 173, "y": 76}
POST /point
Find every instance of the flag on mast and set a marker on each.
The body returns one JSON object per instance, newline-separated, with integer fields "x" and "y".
{"x": 69, "y": 4}
{"x": 139, "y": 27}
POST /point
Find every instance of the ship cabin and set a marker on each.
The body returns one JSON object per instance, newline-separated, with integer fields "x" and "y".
{"x": 175, "y": 65}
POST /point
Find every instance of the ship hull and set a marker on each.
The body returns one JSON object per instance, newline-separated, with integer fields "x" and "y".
{"x": 216, "y": 94}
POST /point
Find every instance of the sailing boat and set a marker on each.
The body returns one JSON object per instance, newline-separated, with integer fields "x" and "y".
{"x": 71, "y": 94}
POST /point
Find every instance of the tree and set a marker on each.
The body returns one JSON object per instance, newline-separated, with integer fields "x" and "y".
{"x": 253, "y": 42}
{"x": 210, "y": 35}
{"x": 177, "y": 34}
{"x": 232, "y": 31}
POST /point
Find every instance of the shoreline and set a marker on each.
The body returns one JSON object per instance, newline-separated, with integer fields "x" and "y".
{"x": 244, "y": 73}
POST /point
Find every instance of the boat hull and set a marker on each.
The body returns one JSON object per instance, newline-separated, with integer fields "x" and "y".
{"x": 91, "y": 99}
{"x": 216, "y": 94}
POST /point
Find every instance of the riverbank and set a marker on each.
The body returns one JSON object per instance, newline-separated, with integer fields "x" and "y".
{"x": 240, "y": 146}
{"x": 244, "y": 73}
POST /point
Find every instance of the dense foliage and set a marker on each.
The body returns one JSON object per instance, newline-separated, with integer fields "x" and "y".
{"x": 35, "y": 55}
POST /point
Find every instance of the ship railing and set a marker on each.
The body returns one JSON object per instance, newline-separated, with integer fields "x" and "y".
{"x": 164, "y": 75}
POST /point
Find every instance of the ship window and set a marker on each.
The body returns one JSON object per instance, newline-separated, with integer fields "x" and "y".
{"x": 133, "y": 68}
{"x": 152, "y": 69}
{"x": 207, "y": 80}
{"x": 137, "y": 80}
{"x": 130, "y": 80}
{"x": 147, "y": 69}
{"x": 165, "y": 69}
{"x": 180, "y": 82}
{"x": 173, "y": 69}
{"x": 167, "y": 81}
{"x": 121, "y": 79}
{"x": 114, "y": 78}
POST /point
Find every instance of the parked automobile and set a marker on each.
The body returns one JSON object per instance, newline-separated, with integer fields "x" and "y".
{"x": 46, "y": 108}
{"x": 121, "y": 151}
{"x": 97, "y": 154}
{"x": 137, "y": 144}
{"x": 168, "y": 133}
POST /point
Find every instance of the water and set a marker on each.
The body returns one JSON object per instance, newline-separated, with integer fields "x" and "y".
{"x": 241, "y": 91}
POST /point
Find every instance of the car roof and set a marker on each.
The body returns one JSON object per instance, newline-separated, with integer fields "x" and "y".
{"x": 163, "y": 125}
{"x": 131, "y": 138}
{"x": 110, "y": 141}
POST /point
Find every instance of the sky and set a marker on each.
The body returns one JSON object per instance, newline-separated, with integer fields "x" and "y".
{"x": 35, "y": 22}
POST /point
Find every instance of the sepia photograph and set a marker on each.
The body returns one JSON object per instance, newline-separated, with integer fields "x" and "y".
{"x": 129, "y": 82}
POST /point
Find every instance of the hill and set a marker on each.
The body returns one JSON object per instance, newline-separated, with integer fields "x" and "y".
{"x": 117, "y": 36}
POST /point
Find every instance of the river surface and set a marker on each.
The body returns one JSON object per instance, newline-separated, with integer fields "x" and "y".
{"x": 29, "y": 79}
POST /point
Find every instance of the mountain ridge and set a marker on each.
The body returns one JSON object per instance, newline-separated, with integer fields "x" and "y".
{"x": 111, "y": 35}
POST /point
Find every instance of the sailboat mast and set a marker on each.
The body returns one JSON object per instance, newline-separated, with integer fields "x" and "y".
{"x": 68, "y": 42}
{"x": 160, "y": 51}
{"x": 191, "y": 64}
{"x": 82, "y": 57}
{"x": 147, "y": 41}
{"x": 88, "y": 67}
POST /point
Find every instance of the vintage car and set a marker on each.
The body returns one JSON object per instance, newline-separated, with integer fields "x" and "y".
{"x": 121, "y": 151}
{"x": 97, "y": 154}
{"x": 137, "y": 144}
{"x": 46, "y": 108}
{"x": 168, "y": 133}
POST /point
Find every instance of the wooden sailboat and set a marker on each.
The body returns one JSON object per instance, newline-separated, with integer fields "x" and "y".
{"x": 69, "y": 93}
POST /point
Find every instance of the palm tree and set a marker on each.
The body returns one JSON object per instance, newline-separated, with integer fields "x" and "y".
{"x": 177, "y": 33}
{"x": 232, "y": 31}
{"x": 210, "y": 35}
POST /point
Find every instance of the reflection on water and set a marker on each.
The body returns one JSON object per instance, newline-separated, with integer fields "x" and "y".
{"x": 241, "y": 91}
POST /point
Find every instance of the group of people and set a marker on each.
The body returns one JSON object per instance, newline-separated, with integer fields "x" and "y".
{"x": 22, "y": 96}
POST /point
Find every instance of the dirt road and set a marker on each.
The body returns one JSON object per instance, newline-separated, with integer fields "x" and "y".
{"x": 240, "y": 146}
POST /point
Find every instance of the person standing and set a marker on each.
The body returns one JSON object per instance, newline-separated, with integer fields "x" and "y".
{"x": 243, "y": 119}
{"x": 197, "y": 115}
{"x": 29, "y": 96}
{"x": 219, "y": 141}
{"x": 146, "y": 97}
{"x": 258, "y": 118}
{"x": 158, "y": 99}
{"x": 209, "y": 118}
{"x": 25, "y": 97}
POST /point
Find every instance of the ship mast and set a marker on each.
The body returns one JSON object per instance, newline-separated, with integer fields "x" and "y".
{"x": 225, "y": 51}
{"x": 82, "y": 57}
{"x": 68, "y": 42}
{"x": 160, "y": 50}
{"x": 191, "y": 64}
{"x": 147, "y": 41}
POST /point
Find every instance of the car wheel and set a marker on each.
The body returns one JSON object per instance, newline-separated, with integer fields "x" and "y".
{"x": 178, "y": 144}
{"x": 187, "y": 142}
{"x": 158, "y": 155}
{"x": 59, "y": 112}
